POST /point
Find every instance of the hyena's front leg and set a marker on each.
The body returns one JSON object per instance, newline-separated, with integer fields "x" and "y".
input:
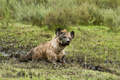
{"x": 52, "y": 58}
{"x": 62, "y": 57}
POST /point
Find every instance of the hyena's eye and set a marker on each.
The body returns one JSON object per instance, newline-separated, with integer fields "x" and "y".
{"x": 70, "y": 38}
{"x": 64, "y": 36}
{"x": 60, "y": 38}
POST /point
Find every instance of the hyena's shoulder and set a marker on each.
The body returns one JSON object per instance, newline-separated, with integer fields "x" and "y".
{"x": 39, "y": 47}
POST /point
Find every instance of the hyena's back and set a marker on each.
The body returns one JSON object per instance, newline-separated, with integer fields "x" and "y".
{"x": 36, "y": 53}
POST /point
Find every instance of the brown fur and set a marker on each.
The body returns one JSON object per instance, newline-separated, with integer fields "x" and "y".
{"x": 50, "y": 51}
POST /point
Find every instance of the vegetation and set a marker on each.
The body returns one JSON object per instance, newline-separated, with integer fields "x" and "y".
{"x": 92, "y": 55}
{"x": 63, "y": 13}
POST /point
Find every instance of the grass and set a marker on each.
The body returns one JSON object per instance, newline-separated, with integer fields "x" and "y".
{"x": 46, "y": 71}
{"x": 93, "y": 45}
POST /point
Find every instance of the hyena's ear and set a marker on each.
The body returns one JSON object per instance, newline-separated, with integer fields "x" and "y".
{"x": 58, "y": 31}
{"x": 72, "y": 34}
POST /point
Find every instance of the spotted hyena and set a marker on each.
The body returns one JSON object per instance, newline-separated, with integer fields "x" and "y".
{"x": 53, "y": 50}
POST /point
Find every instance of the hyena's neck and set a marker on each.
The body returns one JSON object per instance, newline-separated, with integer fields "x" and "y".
{"x": 56, "y": 46}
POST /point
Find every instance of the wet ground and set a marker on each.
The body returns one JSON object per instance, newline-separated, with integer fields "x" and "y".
{"x": 7, "y": 55}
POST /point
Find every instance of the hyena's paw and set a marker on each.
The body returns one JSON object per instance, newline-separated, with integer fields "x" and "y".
{"x": 64, "y": 59}
{"x": 54, "y": 60}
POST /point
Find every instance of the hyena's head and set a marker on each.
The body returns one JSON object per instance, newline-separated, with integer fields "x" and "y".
{"x": 64, "y": 37}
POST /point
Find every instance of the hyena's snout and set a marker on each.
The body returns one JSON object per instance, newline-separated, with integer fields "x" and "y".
{"x": 67, "y": 42}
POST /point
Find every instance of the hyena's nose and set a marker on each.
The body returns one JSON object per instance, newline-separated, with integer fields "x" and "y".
{"x": 68, "y": 41}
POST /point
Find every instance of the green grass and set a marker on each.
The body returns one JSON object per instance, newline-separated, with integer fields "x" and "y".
{"x": 45, "y": 71}
{"x": 62, "y": 13}
{"x": 96, "y": 45}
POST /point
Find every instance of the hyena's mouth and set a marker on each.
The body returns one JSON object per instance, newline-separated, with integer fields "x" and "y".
{"x": 64, "y": 44}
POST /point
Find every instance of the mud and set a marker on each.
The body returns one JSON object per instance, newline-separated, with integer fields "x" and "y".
{"x": 6, "y": 54}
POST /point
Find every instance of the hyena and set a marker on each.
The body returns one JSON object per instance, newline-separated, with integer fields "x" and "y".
{"x": 53, "y": 50}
